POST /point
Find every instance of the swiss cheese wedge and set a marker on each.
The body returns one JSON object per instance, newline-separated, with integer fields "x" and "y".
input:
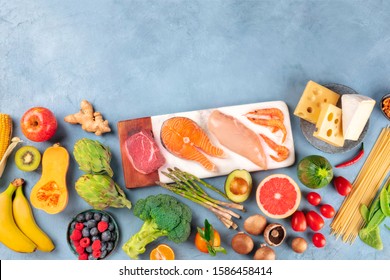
{"x": 329, "y": 126}
{"x": 313, "y": 99}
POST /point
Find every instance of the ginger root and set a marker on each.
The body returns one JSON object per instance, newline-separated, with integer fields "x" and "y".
{"x": 90, "y": 121}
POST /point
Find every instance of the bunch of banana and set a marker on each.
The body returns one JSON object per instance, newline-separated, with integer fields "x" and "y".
{"x": 18, "y": 229}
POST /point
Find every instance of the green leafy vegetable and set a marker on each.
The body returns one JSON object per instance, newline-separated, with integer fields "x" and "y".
{"x": 384, "y": 202}
{"x": 365, "y": 213}
{"x": 371, "y": 237}
{"x": 374, "y": 207}
{"x": 374, "y": 216}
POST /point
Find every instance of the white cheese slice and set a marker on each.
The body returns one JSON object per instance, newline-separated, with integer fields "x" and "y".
{"x": 356, "y": 110}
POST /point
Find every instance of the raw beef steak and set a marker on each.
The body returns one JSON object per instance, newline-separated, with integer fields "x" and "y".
{"x": 143, "y": 152}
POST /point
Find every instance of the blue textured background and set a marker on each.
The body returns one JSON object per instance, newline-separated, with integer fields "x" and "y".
{"x": 141, "y": 58}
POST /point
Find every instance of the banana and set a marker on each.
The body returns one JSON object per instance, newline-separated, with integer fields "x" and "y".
{"x": 25, "y": 220}
{"x": 10, "y": 235}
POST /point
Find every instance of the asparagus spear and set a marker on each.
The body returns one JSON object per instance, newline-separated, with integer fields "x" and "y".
{"x": 190, "y": 187}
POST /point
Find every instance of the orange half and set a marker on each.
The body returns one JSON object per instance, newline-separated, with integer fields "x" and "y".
{"x": 162, "y": 252}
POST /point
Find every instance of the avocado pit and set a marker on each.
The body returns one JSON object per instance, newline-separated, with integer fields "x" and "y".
{"x": 238, "y": 185}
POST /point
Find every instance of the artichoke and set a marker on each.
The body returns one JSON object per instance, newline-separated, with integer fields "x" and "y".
{"x": 93, "y": 157}
{"x": 101, "y": 192}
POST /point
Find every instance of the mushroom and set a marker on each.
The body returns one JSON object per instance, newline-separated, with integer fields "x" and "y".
{"x": 242, "y": 243}
{"x": 255, "y": 224}
{"x": 299, "y": 245}
{"x": 274, "y": 234}
{"x": 264, "y": 253}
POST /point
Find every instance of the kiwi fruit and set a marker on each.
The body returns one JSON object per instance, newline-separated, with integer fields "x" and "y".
{"x": 27, "y": 158}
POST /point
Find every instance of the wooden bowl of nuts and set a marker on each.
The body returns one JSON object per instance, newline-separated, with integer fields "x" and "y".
{"x": 385, "y": 106}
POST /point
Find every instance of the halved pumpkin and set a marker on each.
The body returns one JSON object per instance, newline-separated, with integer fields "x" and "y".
{"x": 50, "y": 193}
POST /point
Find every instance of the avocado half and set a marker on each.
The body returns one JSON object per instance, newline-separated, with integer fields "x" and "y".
{"x": 238, "y": 185}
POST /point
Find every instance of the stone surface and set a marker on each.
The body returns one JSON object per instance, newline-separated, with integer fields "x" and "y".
{"x": 143, "y": 58}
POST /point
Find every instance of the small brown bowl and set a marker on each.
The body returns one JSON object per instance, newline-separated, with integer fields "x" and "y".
{"x": 386, "y": 98}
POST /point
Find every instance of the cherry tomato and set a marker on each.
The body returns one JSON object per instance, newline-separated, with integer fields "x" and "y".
{"x": 318, "y": 240}
{"x": 298, "y": 221}
{"x": 327, "y": 211}
{"x": 342, "y": 185}
{"x": 314, "y": 220}
{"x": 313, "y": 198}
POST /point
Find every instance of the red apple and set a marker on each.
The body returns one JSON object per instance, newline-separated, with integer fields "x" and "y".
{"x": 38, "y": 124}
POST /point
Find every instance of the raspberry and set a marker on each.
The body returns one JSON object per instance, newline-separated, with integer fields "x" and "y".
{"x": 79, "y": 226}
{"x": 83, "y": 256}
{"x": 84, "y": 242}
{"x": 96, "y": 253}
{"x": 76, "y": 235}
{"x": 80, "y": 250}
{"x": 76, "y": 243}
{"x": 96, "y": 245}
{"x": 102, "y": 226}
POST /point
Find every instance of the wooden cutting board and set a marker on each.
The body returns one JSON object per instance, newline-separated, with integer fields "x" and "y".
{"x": 134, "y": 179}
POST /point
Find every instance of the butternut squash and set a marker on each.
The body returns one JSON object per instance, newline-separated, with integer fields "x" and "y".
{"x": 50, "y": 193}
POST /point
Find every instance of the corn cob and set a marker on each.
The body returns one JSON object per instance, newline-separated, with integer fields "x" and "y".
{"x": 5, "y": 133}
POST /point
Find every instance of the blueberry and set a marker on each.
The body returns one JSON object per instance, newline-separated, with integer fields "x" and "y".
{"x": 111, "y": 226}
{"x": 105, "y": 218}
{"x": 95, "y": 238}
{"x": 85, "y": 232}
{"x": 103, "y": 254}
{"x": 80, "y": 218}
{"x": 72, "y": 224}
{"x": 106, "y": 235}
{"x": 103, "y": 246}
{"x": 110, "y": 246}
{"x": 88, "y": 216}
{"x": 91, "y": 224}
{"x": 89, "y": 249}
{"x": 94, "y": 231}
{"x": 113, "y": 236}
{"x": 97, "y": 216}
{"x": 91, "y": 257}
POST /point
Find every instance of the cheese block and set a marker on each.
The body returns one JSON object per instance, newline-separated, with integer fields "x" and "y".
{"x": 313, "y": 98}
{"x": 356, "y": 112}
{"x": 329, "y": 126}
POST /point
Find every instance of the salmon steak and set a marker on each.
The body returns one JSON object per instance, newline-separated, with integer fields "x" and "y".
{"x": 185, "y": 139}
{"x": 234, "y": 135}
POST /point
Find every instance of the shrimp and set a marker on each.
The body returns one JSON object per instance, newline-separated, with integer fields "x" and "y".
{"x": 273, "y": 123}
{"x": 281, "y": 151}
{"x": 273, "y": 113}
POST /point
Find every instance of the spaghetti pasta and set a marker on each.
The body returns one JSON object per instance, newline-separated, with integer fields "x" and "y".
{"x": 348, "y": 220}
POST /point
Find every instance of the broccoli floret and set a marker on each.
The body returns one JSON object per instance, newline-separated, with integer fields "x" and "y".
{"x": 163, "y": 215}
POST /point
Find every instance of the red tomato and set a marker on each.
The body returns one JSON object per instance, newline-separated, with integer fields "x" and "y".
{"x": 319, "y": 240}
{"x": 298, "y": 221}
{"x": 314, "y": 220}
{"x": 342, "y": 185}
{"x": 327, "y": 211}
{"x": 313, "y": 198}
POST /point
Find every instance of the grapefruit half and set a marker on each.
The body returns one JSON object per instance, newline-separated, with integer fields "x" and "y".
{"x": 278, "y": 196}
